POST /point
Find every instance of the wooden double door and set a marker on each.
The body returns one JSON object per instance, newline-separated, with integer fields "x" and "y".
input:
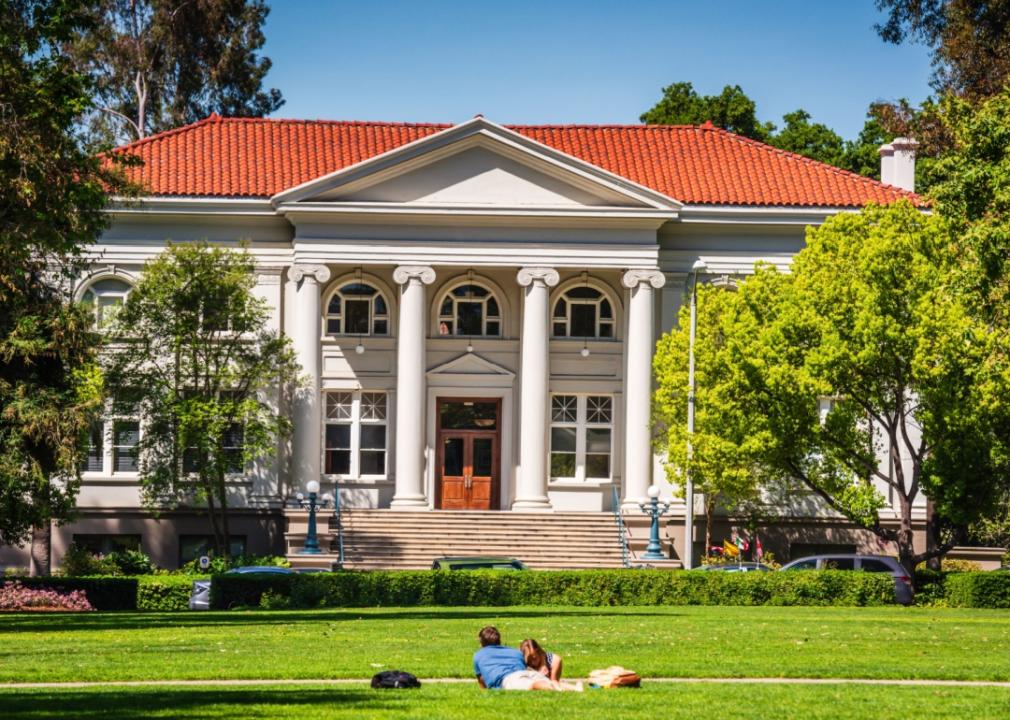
{"x": 469, "y": 453}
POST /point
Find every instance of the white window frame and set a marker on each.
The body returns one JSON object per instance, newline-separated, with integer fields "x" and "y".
{"x": 97, "y": 309}
{"x": 356, "y": 421}
{"x": 108, "y": 420}
{"x": 372, "y": 316}
{"x": 454, "y": 316}
{"x": 567, "y": 318}
{"x": 582, "y": 426}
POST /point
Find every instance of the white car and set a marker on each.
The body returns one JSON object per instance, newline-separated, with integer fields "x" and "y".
{"x": 866, "y": 563}
{"x": 199, "y": 597}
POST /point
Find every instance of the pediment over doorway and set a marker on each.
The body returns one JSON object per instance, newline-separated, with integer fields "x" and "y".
{"x": 471, "y": 368}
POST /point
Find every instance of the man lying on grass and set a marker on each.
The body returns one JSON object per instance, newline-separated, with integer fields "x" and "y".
{"x": 498, "y": 667}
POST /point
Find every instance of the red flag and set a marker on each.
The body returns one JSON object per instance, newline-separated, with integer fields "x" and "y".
{"x": 758, "y": 550}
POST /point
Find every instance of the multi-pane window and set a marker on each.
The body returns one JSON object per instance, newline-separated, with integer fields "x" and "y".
{"x": 357, "y": 308}
{"x": 581, "y": 437}
{"x": 469, "y": 309}
{"x": 583, "y": 311}
{"x": 356, "y": 432}
{"x": 105, "y": 297}
{"x": 111, "y": 445}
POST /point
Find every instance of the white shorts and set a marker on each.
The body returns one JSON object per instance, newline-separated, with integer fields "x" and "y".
{"x": 521, "y": 680}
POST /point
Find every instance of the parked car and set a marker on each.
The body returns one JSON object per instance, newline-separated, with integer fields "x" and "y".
{"x": 739, "y": 567}
{"x": 866, "y": 563}
{"x": 477, "y": 563}
{"x": 199, "y": 596}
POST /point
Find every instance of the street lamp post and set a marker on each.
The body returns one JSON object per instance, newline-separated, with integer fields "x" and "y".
{"x": 311, "y": 546}
{"x": 688, "y": 480}
{"x": 654, "y": 551}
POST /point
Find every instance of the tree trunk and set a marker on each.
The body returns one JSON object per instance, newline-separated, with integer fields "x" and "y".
{"x": 905, "y": 539}
{"x": 932, "y": 536}
{"x": 41, "y": 550}
{"x": 214, "y": 528}
{"x": 223, "y": 505}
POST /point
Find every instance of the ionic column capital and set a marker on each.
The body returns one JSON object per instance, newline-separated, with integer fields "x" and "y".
{"x": 633, "y": 278}
{"x": 319, "y": 273}
{"x": 406, "y": 273}
{"x": 528, "y": 275}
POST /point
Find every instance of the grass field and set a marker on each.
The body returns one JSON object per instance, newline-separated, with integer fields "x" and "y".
{"x": 889, "y": 642}
{"x": 843, "y": 702}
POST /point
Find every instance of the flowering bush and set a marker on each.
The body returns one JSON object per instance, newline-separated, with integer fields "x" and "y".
{"x": 14, "y": 596}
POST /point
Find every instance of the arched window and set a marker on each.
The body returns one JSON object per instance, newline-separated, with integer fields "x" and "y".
{"x": 469, "y": 309}
{"x": 582, "y": 311}
{"x": 357, "y": 308}
{"x": 105, "y": 298}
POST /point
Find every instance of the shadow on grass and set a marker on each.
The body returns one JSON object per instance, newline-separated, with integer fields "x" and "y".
{"x": 198, "y": 702}
{"x": 33, "y": 622}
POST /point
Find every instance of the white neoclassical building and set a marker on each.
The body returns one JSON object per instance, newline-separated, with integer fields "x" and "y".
{"x": 475, "y": 305}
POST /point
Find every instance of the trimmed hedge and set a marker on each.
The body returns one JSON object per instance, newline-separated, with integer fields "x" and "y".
{"x": 586, "y": 588}
{"x": 162, "y": 593}
{"x": 978, "y": 589}
{"x": 104, "y": 593}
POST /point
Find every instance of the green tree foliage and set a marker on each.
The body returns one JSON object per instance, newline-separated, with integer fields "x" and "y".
{"x": 970, "y": 40}
{"x": 725, "y": 459}
{"x": 159, "y": 64}
{"x": 733, "y": 110}
{"x": 872, "y": 318}
{"x": 52, "y": 194}
{"x": 197, "y": 357}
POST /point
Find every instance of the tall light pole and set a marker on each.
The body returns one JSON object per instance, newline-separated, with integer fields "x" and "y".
{"x": 723, "y": 282}
{"x": 698, "y": 266}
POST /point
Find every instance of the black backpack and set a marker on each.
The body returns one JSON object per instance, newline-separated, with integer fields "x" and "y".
{"x": 394, "y": 679}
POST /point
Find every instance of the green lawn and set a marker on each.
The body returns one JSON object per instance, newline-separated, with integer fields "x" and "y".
{"x": 720, "y": 702}
{"x": 889, "y": 642}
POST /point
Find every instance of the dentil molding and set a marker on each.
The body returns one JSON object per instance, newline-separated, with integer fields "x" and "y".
{"x": 528, "y": 275}
{"x": 406, "y": 273}
{"x": 633, "y": 278}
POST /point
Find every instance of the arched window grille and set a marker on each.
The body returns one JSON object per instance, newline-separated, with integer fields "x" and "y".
{"x": 106, "y": 297}
{"x": 582, "y": 311}
{"x": 469, "y": 309}
{"x": 357, "y": 308}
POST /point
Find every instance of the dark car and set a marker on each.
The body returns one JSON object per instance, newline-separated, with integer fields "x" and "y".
{"x": 739, "y": 567}
{"x": 866, "y": 563}
{"x": 199, "y": 597}
{"x": 477, "y": 563}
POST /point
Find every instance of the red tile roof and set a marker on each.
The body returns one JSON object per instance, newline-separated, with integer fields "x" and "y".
{"x": 233, "y": 157}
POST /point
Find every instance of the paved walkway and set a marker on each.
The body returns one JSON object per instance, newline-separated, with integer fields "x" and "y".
{"x": 359, "y": 681}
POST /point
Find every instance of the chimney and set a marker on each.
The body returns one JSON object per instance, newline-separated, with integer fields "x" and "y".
{"x": 897, "y": 163}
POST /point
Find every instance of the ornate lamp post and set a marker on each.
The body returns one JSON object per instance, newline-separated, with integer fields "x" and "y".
{"x": 311, "y": 546}
{"x": 654, "y": 551}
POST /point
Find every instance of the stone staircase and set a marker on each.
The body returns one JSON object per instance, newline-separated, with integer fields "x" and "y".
{"x": 401, "y": 540}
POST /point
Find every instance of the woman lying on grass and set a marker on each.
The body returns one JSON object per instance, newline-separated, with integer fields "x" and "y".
{"x": 499, "y": 667}
{"x": 546, "y": 663}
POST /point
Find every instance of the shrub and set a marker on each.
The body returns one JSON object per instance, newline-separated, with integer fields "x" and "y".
{"x": 219, "y": 565}
{"x": 163, "y": 593}
{"x": 979, "y": 590}
{"x": 14, "y": 596}
{"x": 103, "y": 593}
{"x": 130, "y": 562}
{"x": 586, "y": 588}
{"x": 81, "y": 562}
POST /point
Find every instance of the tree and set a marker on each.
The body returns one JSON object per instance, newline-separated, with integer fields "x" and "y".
{"x": 730, "y": 110}
{"x": 869, "y": 372}
{"x": 812, "y": 140}
{"x": 52, "y": 195}
{"x": 159, "y": 64}
{"x": 970, "y": 40}
{"x": 724, "y": 462}
{"x": 197, "y": 360}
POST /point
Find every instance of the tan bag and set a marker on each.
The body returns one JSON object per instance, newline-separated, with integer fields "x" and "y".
{"x": 615, "y": 676}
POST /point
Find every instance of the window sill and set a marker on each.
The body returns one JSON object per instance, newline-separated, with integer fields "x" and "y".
{"x": 364, "y": 480}
{"x": 573, "y": 484}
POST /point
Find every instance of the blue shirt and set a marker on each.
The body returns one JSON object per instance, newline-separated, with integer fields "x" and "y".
{"x": 494, "y": 662}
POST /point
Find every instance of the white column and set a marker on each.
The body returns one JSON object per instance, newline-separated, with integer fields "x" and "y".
{"x": 531, "y": 480}
{"x": 410, "y": 386}
{"x": 640, "y": 344}
{"x": 306, "y": 450}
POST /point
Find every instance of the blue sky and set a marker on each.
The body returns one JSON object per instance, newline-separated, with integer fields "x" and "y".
{"x": 557, "y": 61}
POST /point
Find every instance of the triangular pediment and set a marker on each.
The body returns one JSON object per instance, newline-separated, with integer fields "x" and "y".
{"x": 470, "y": 364}
{"x": 478, "y": 165}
